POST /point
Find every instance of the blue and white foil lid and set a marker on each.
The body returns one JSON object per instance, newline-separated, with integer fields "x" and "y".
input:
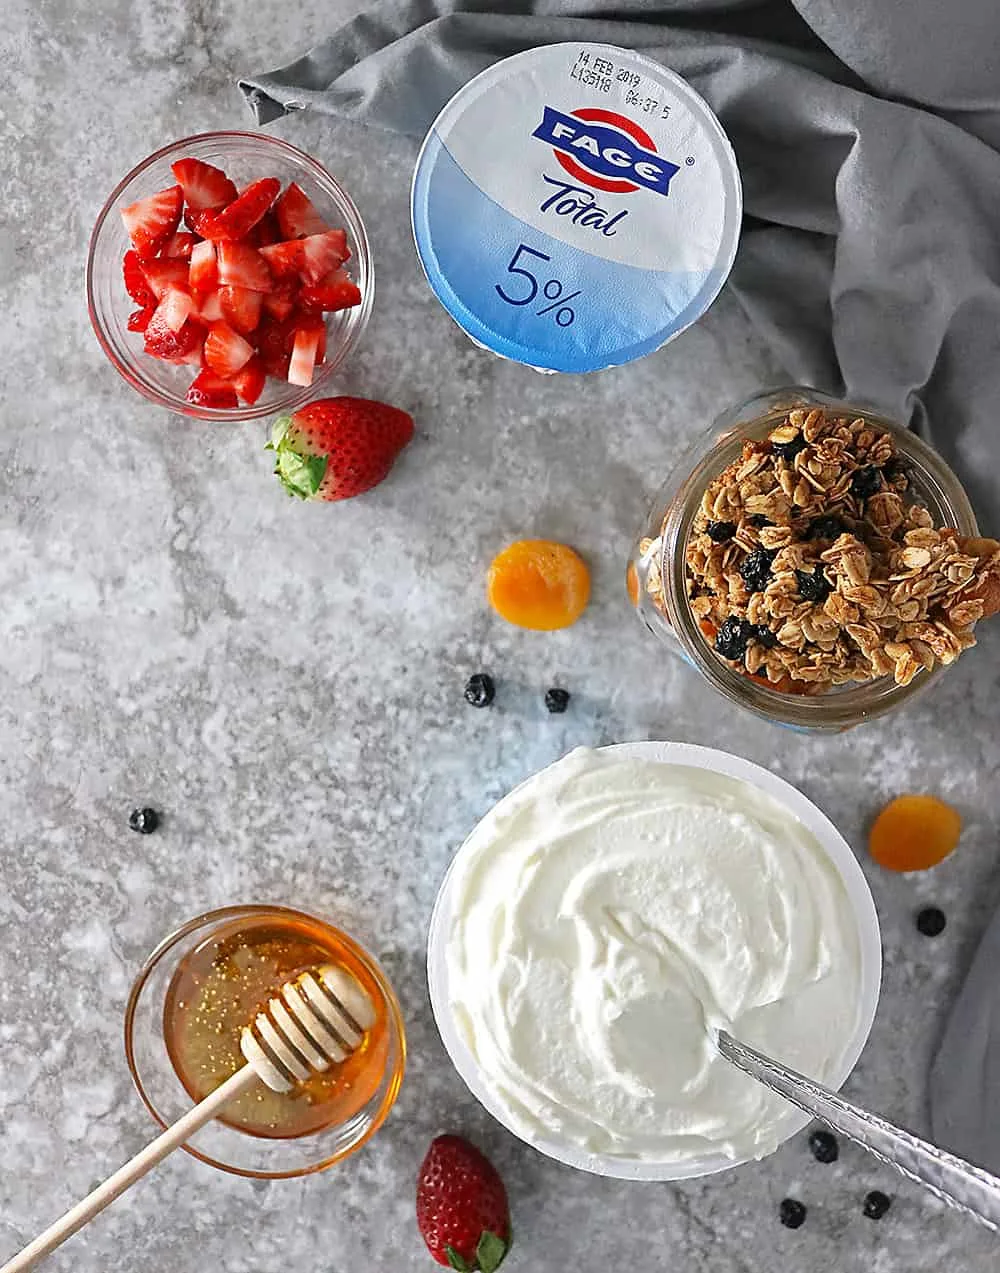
{"x": 576, "y": 207}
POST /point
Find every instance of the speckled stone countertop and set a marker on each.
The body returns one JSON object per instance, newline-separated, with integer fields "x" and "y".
{"x": 285, "y": 683}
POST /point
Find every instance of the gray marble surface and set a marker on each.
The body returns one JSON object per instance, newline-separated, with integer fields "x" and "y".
{"x": 285, "y": 683}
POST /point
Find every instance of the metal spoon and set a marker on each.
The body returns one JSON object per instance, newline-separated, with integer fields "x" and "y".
{"x": 958, "y": 1183}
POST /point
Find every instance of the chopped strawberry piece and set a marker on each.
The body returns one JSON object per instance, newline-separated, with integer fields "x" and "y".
{"x": 135, "y": 280}
{"x": 179, "y": 244}
{"x": 210, "y": 309}
{"x": 151, "y": 221}
{"x": 280, "y": 302}
{"x": 322, "y": 253}
{"x": 243, "y": 266}
{"x": 265, "y": 232}
{"x": 303, "y": 361}
{"x": 203, "y": 274}
{"x": 249, "y": 382}
{"x": 335, "y": 291}
{"x": 204, "y": 185}
{"x": 165, "y": 273}
{"x": 162, "y": 342}
{"x": 284, "y": 260}
{"x": 274, "y": 345}
{"x": 240, "y": 307}
{"x": 193, "y": 357}
{"x": 225, "y": 350}
{"x": 138, "y": 320}
{"x": 195, "y": 220}
{"x": 297, "y": 215}
{"x": 210, "y": 390}
{"x": 238, "y": 219}
{"x": 175, "y": 308}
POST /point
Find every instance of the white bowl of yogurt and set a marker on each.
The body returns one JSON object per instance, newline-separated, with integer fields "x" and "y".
{"x": 610, "y": 912}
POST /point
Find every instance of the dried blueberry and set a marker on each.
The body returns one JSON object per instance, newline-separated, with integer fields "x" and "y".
{"x": 763, "y": 635}
{"x": 731, "y": 639}
{"x": 827, "y": 527}
{"x": 866, "y": 482}
{"x": 758, "y": 521}
{"x": 876, "y": 1204}
{"x": 894, "y": 470}
{"x": 792, "y": 1213}
{"x": 756, "y": 569}
{"x": 824, "y": 1147}
{"x": 789, "y": 450}
{"x": 556, "y": 700}
{"x": 719, "y": 532}
{"x": 145, "y": 821}
{"x": 931, "y": 921}
{"x": 480, "y": 690}
{"x": 813, "y": 587}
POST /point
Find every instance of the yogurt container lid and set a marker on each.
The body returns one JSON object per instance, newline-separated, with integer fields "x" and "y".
{"x": 576, "y": 206}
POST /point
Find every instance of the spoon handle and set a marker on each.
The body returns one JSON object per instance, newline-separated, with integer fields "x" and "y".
{"x": 958, "y": 1183}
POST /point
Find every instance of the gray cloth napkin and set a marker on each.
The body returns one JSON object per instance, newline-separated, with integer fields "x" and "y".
{"x": 965, "y": 1078}
{"x": 868, "y": 137}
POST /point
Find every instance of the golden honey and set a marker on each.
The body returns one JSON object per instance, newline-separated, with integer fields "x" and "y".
{"x": 220, "y": 986}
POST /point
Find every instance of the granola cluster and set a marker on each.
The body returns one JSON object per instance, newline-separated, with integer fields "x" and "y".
{"x": 809, "y": 563}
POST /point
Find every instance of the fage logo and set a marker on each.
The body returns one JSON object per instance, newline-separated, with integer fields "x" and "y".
{"x": 605, "y": 150}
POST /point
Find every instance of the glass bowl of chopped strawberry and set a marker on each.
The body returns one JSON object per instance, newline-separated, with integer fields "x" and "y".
{"x": 229, "y": 276}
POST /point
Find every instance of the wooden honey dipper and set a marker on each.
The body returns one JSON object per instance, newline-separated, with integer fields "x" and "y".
{"x": 316, "y": 1021}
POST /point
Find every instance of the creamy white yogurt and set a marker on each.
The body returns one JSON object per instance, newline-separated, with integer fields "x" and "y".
{"x": 606, "y": 915}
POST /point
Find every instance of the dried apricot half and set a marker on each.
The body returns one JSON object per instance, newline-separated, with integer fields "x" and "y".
{"x": 537, "y": 583}
{"x": 913, "y": 833}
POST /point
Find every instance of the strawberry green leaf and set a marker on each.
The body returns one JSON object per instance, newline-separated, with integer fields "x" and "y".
{"x": 301, "y": 475}
{"x": 278, "y": 431}
{"x": 456, "y": 1261}
{"x": 490, "y": 1251}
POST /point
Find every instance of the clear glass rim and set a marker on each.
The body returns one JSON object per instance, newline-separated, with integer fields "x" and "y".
{"x": 845, "y": 707}
{"x": 295, "y": 397}
{"x": 220, "y": 915}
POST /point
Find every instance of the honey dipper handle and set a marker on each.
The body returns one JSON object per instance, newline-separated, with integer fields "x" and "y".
{"x": 94, "y": 1203}
{"x": 958, "y": 1183}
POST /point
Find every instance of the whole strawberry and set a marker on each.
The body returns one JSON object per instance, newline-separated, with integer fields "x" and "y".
{"x": 462, "y": 1209}
{"x": 336, "y": 448}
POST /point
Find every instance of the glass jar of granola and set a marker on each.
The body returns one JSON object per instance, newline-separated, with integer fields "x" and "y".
{"x": 816, "y": 562}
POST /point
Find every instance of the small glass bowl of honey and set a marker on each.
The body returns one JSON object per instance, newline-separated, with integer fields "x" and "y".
{"x": 192, "y": 998}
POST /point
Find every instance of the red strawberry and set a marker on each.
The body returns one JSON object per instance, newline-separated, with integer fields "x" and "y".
{"x": 266, "y": 231}
{"x": 210, "y": 308}
{"x": 336, "y": 448}
{"x": 303, "y": 360}
{"x": 239, "y": 218}
{"x": 225, "y": 350}
{"x": 179, "y": 244}
{"x": 243, "y": 266}
{"x": 196, "y": 221}
{"x": 203, "y": 274}
{"x": 150, "y": 222}
{"x": 284, "y": 260}
{"x": 165, "y": 273}
{"x": 135, "y": 280}
{"x": 335, "y": 291}
{"x": 161, "y": 342}
{"x": 210, "y": 390}
{"x": 249, "y": 381}
{"x": 297, "y": 216}
{"x": 240, "y": 307}
{"x": 204, "y": 186}
{"x": 138, "y": 320}
{"x": 280, "y": 302}
{"x": 322, "y": 253}
{"x": 274, "y": 339}
{"x": 462, "y": 1209}
{"x": 175, "y": 308}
